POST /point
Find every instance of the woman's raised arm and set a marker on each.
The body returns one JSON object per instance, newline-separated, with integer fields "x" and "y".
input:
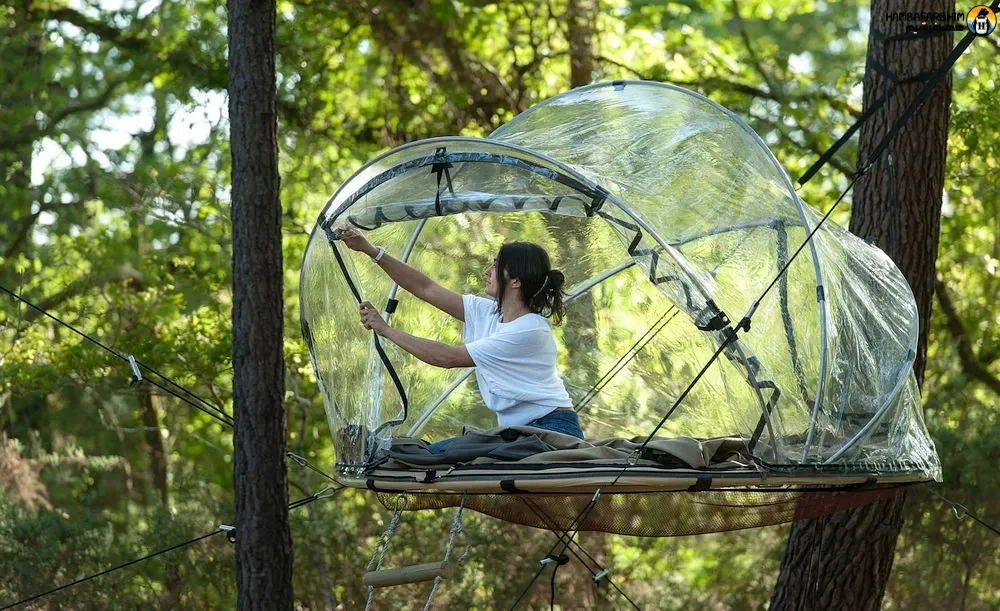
{"x": 408, "y": 277}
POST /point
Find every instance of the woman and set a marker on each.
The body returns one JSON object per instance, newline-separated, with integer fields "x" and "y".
{"x": 508, "y": 341}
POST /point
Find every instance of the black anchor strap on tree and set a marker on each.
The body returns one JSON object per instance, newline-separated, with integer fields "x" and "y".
{"x": 930, "y": 78}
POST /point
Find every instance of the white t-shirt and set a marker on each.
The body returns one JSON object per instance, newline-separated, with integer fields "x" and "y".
{"x": 515, "y": 362}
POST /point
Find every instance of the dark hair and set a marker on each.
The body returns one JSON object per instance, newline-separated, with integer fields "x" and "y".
{"x": 541, "y": 285}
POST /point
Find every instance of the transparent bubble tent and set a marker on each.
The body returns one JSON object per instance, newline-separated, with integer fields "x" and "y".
{"x": 669, "y": 217}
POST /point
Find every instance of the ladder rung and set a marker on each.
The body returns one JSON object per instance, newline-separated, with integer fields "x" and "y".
{"x": 408, "y": 574}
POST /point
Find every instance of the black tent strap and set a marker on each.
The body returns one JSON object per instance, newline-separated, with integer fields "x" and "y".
{"x": 590, "y": 191}
{"x": 708, "y": 318}
{"x": 378, "y": 344}
{"x": 441, "y": 168}
{"x": 745, "y": 323}
{"x": 437, "y": 197}
{"x": 930, "y": 78}
{"x": 635, "y": 251}
{"x": 920, "y": 77}
{"x": 830, "y": 152}
{"x": 203, "y": 405}
{"x": 925, "y": 92}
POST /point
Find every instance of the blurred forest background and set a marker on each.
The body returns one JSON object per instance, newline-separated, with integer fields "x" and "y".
{"x": 114, "y": 170}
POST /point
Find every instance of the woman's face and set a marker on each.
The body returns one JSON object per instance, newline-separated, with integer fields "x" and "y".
{"x": 493, "y": 281}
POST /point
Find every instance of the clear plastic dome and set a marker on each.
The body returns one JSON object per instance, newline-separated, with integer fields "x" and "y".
{"x": 669, "y": 217}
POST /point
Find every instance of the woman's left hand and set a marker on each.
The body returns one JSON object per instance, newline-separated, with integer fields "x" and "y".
{"x": 371, "y": 319}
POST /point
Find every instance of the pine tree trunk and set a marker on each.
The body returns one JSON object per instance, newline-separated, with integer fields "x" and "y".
{"x": 263, "y": 541}
{"x": 580, "y": 17}
{"x": 843, "y": 561}
{"x": 158, "y": 461}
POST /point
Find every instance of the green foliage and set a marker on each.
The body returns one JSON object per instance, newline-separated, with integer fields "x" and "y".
{"x": 114, "y": 164}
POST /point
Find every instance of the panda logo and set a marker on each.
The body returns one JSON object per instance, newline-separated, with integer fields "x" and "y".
{"x": 982, "y": 20}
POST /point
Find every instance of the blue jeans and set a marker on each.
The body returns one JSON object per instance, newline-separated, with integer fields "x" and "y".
{"x": 560, "y": 421}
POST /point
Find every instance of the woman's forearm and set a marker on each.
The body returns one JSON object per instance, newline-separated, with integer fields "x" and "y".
{"x": 406, "y": 276}
{"x": 430, "y": 351}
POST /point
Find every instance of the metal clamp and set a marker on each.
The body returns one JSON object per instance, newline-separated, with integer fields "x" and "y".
{"x": 136, "y": 374}
{"x": 560, "y": 560}
{"x": 298, "y": 459}
{"x": 325, "y": 493}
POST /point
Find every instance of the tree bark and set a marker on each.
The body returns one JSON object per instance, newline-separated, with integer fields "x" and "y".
{"x": 263, "y": 540}
{"x": 154, "y": 443}
{"x": 580, "y": 34}
{"x": 843, "y": 561}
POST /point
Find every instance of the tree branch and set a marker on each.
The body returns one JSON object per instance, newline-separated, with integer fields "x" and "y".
{"x": 426, "y": 33}
{"x": 104, "y": 31}
{"x": 718, "y": 82}
{"x": 30, "y": 133}
{"x": 22, "y": 233}
{"x": 809, "y": 144}
{"x": 79, "y": 287}
{"x": 774, "y": 89}
{"x": 970, "y": 363}
{"x": 607, "y": 60}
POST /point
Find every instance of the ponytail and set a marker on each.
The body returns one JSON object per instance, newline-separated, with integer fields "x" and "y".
{"x": 548, "y": 300}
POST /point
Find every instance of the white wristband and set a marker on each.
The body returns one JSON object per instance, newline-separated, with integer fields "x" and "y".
{"x": 379, "y": 253}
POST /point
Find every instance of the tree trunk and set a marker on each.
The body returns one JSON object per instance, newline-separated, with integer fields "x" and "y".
{"x": 154, "y": 443}
{"x": 263, "y": 540}
{"x": 580, "y": 34}
{"x": 843, "y": 561}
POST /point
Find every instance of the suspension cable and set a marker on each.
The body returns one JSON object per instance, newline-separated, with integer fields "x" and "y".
{"x": 321, "y": 494}
{"x": 551, "y": 525}
{"x": 202, "y": 405}
{"x": 961, "y": 511}
{"x": 627, "y": 357}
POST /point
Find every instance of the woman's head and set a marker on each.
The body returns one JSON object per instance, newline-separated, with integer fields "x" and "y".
{"x": 522, "y": 271}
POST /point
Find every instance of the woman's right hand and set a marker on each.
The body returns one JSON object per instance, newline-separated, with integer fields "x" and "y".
{"x": 353, "y": 239}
